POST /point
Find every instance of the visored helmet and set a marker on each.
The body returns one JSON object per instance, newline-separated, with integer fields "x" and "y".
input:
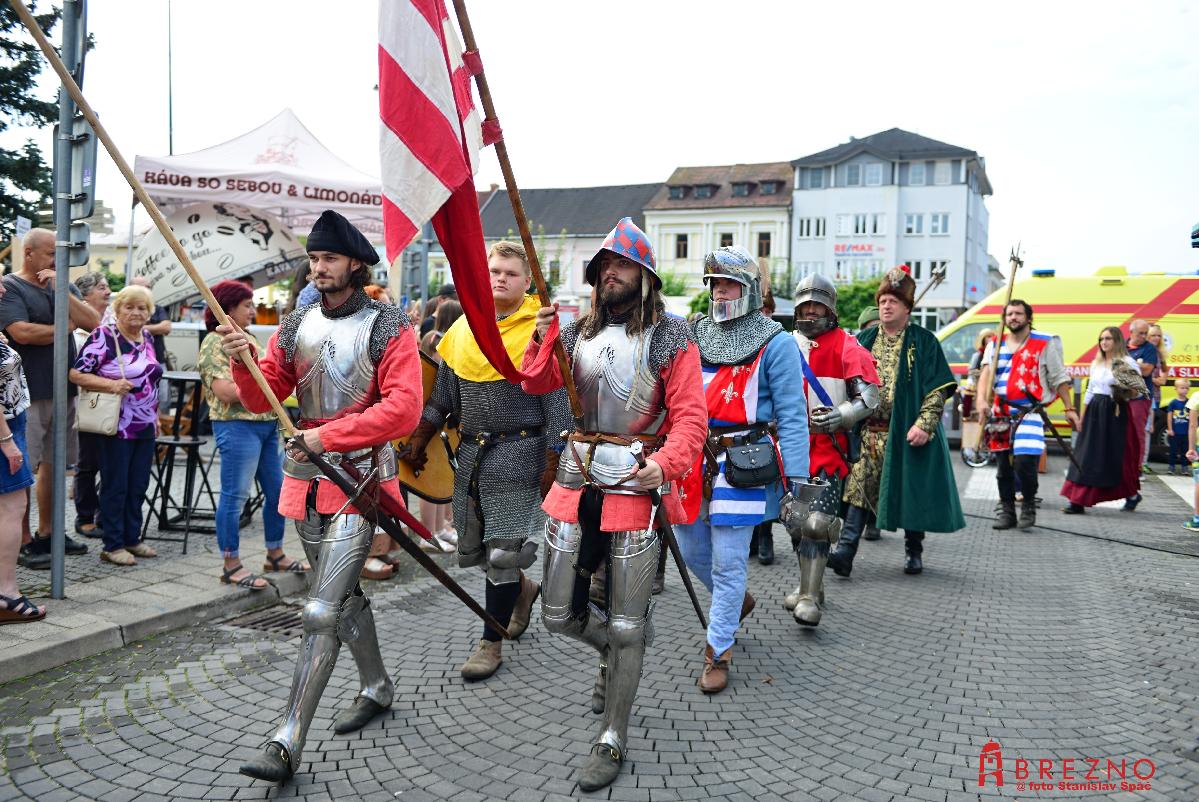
{"x": 629, "y": 241}
{"x": 820, "y": 289}
{"x": 734, "y": 263}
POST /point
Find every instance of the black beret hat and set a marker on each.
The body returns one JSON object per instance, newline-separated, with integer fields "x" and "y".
{"x": 335, "y": 234}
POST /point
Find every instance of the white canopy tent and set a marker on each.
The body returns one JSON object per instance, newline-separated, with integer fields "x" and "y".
{"x": 279, "y": 167}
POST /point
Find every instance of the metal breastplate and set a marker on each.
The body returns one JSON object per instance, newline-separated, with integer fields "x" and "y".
{"x": 618, "y": 390}
{"x": 335, "y": 377}
{"x": 620, "y": 394}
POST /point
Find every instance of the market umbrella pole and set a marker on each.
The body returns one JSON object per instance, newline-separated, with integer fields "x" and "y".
{"x": 518, "y": 209}
{"x": 151, "y": 207}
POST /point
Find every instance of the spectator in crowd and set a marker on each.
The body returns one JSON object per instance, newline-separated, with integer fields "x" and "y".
{"x": 446, "y": 293}
{"x": 1157, "y": 336}
{"x": 868, "y": 318}
{"x": 377, "y": 293}
{"x": 121, "y": 360}
{"x": 1146, "y": 355}
{"x": 1193, "y": 456}
{"x": 1108, "y": 451}
{"x": 1179, "y": 416}
{"x": 439, "y": 518}
{"x": 302, "y": 291}
{"x": 95, "y": 291}
{"x": 159, "y": 325}
{"x": 15, "y": 480}
{"x": 248, "y": 444}
{"x": 27, "y": 319}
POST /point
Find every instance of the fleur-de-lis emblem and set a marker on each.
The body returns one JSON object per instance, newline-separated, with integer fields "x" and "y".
{"x": 729, "y": 393}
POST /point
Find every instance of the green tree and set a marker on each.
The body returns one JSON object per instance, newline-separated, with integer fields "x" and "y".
{"x": 26, "y": 182}
{"x": 699, "y": 302}
{"x": 116, "y": 281}
{"x": 853, "y": 298}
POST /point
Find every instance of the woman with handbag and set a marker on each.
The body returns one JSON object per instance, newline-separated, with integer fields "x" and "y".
{"x": 118, "y": 374}
{"x": 1107, "y": 448}
{"x": 96, "y": 294}
{"x": 15, "y": 480}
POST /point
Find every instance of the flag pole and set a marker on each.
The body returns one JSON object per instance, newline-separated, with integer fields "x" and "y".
{"x": 143, "y": 197}
{"x": 518, "y": 209}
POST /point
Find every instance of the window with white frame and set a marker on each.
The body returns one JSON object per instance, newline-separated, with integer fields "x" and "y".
{"x": 844, "y": 224}
{"x": 926, "y": 318}
{"x": 913, "y": 224}
{"x": 806, "y": 227}
{"x": 938, "y": 223}
{"x": 941, "y": 174}
{"x": 916, "y": 174}
{"x": 763, "y": 244}
{"x": 853, "y": 175}
{"x": 726, "y": 239}
{"x": 816, "y": 178}
{"x": 874, "y": 174}
{"x": 680, "y": 246}
{"x": 808, "y": 269}
{"x": 936, "y": 265}
{"x": 878, "y": 223}
{"x": 914, "y": 266}
{"x": 859, "y": 224}
{"x": 841, "y": 271}
{"x": 876, "y": 268}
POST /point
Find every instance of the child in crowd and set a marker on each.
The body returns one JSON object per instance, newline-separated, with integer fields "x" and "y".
{"x": 1178, "y": 425}
{"x": 1192, "y": 407}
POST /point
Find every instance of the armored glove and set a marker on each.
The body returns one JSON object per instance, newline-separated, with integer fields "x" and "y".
{"x": 417, "y": 443}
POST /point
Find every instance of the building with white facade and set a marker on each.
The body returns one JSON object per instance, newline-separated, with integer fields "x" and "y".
{"x": 700, "y": 209}
{"x": 894, "y": 197}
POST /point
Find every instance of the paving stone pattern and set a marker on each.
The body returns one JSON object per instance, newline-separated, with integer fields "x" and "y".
{"x": 1055, "y": 645}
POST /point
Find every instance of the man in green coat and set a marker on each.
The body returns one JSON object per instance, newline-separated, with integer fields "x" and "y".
{"x": 904, "y": 478}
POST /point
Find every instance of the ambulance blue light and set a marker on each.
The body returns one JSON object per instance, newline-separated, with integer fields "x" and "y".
{"x": 1044, "y": 273}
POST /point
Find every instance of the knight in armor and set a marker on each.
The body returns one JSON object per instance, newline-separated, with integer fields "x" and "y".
{"x": 757, "y": 419}
{"x": 509, "y": 437}
{"x": 841, "y": 385}
{"x": 638, "y": 379}
{"x": 1031, "y": 371}
{"x": 904, "y": 478}
{"x": 353, "y": 365}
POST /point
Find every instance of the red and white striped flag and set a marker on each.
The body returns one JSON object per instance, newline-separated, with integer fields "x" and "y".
{"x": 429, "y": 148}
{"x": 431, "y": 133}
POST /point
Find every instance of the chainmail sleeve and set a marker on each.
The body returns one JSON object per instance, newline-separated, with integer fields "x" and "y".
{"x": 556, "y": 409}
{"x": 444, "y": 399}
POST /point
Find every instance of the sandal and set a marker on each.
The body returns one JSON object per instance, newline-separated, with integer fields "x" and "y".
{"x": 294, "y": 567}
{"x": 141, "y": 550}
{"x": 247, "y": 581}
{"x": 379, "y": 571}
{"x": 118, "y": 557}
{"x": 20, "y": 611}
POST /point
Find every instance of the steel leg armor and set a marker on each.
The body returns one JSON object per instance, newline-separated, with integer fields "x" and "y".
{"x": 336, "y": 612}
{"x": 812, "y": 533}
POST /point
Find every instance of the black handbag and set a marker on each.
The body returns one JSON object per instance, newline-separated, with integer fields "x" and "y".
{"x": 752, "y": 465}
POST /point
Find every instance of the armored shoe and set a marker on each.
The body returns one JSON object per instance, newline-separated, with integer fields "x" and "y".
{"x": 811, "y": 591}
{"x": 357, "y": 715}
{"x": 1028, "y": 515}
{"x": 715, "y": 675}
{"x": 599, "y": 694}
{"x": 523, "y": 611}
{"x": 484, "y": 662}
{"x": 273, "y": 765}
{"x": 1007, "y": 516}
{"x": 792, "y": 598}
{"x": 601, "y": 768}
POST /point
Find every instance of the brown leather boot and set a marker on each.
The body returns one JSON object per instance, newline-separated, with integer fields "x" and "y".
{"x": 523, "y": 611}
{"x": 484, "y": 662}
{"x": 747, "y": 605}
{"x": 715, "y": 676}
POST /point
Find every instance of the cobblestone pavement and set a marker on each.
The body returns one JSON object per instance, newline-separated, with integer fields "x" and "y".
{"x": 1054, "y": 645}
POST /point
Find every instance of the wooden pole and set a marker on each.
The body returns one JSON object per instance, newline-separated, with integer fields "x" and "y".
{"x": 1015, "y": 263}
{"x": 518, "y": 211}
{"x": 151, "y": 207}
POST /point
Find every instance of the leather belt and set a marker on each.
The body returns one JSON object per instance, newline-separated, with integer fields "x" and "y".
{"x": 652, "y": 442}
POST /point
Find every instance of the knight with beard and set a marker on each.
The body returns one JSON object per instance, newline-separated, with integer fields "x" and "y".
{"x": 756, "y": 450}
{"x": 842, "y": 388}
{"x": 638, "y": 379}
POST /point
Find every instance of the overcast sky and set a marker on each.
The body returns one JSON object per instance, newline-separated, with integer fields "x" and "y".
{"x": 1087, "y": 114}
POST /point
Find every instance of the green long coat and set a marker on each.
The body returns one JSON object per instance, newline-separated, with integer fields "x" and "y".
{"x": 917, "y": 490}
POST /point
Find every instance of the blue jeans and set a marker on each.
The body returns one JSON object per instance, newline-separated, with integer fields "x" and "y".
{"x": 124, "y": 477}
{"x": 719, "y": 557}
{"x": 248, "y": 448}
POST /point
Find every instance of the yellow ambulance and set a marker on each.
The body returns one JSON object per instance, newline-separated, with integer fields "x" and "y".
{"x": 1076, "y": 307}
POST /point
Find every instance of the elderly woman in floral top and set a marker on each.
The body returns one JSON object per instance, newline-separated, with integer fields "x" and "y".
{"x": 120, "y": 359}
{"x": 249, "y": 446}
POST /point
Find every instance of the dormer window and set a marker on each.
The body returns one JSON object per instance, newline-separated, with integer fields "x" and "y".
{"x": 703, "y": 191}
{"x": 741, "y": 189}
{"x": 769, "y": 187}
{"x": 678, "y": 193}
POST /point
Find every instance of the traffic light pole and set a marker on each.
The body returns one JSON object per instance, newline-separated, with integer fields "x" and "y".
{"x": 62, "y": 270}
